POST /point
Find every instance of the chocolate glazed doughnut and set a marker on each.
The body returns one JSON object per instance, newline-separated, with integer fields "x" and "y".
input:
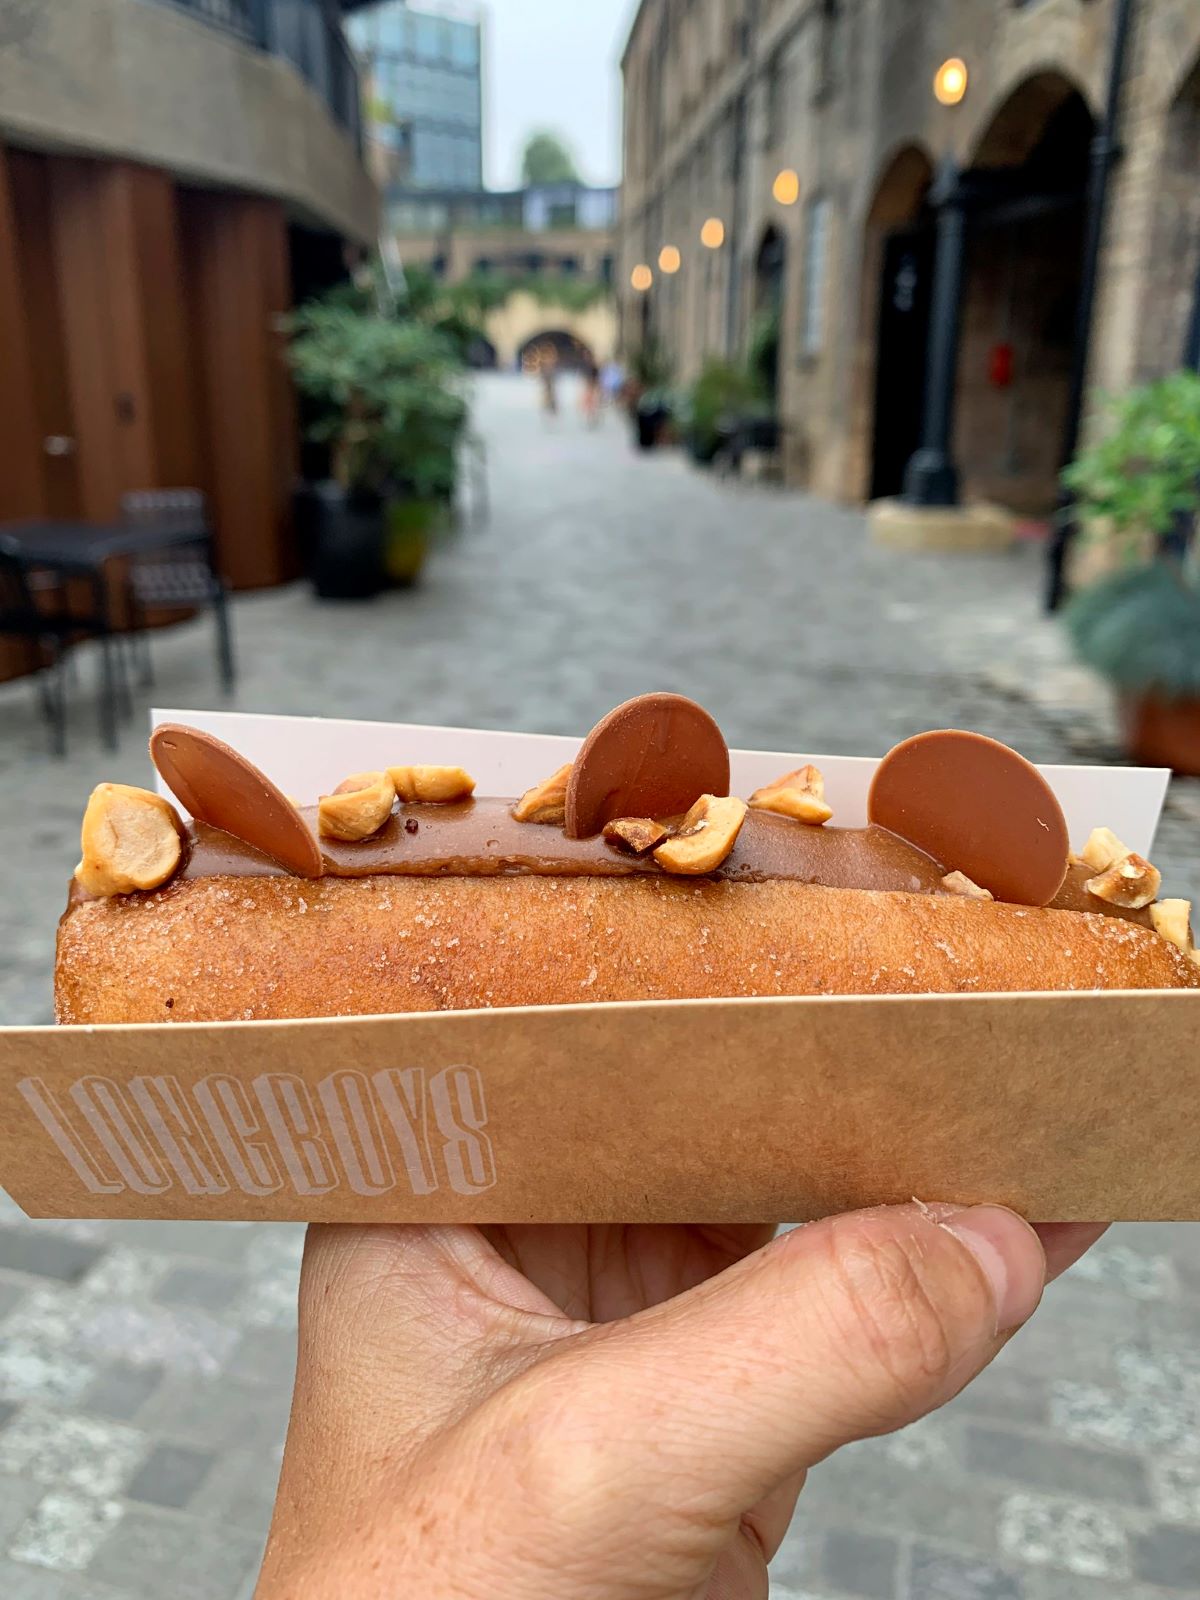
{"x": 402, "y": 892}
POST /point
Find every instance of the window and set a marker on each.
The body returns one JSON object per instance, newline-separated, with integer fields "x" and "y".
{"x": 816, "y": 253}
{"x": 776, "y": 129}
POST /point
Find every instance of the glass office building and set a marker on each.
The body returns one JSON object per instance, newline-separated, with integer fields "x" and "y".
{"x": 423, "y": 71}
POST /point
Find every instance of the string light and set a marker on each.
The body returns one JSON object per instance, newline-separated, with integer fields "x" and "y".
{"x": 950, "y": 82}
{"x": 641, "y": 277}
{"x": 669, "y": 259}
{"x": 786, "y": 187}
{"x": 712, "y": 234}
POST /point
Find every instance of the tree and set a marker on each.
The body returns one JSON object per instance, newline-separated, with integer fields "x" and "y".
{"x": 547, "y": 160}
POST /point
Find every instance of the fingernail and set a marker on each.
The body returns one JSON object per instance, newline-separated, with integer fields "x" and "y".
{"x": 1010, "y": 1257}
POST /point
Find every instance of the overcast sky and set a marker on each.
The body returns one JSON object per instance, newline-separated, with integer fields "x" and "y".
{"x": 554, "y": 64}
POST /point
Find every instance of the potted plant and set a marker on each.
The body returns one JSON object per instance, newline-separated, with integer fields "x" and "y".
{"x": 649, "y": 393}
{"x": 383, "y": 397}
{"x": 715, "y": 401}
{"x": 1139, "y": 625}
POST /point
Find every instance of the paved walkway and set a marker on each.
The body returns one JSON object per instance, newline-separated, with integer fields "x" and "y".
{"x": 144, "y": 1368}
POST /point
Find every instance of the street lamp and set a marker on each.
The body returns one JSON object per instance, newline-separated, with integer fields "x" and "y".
{"x": 641, "y": 277}
{"x": 669, "y": 259}
{"x": 712, "y": 234}
{"x": 950, "y": 82}
{"x": 786, "y": 187}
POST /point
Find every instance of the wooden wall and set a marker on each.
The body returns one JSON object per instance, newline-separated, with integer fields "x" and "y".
{"x": 139, "y": 321}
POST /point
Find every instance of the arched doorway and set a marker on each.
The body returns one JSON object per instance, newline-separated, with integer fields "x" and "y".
{"x": 1021, "y": 293}
{"x": 1170, "y": 312}
{"x": 897, "y": 274}
{"x": 770, "y": 287}
{"x": 571, "y": 354}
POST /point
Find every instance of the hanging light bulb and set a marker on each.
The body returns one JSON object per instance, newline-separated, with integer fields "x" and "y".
{"x": 641, "y": 277}
{"x": 712, "y": 234}
{"x": 950, "y": 82}
{"x": 786, "y": 187}
{"x": 669, "y": 259}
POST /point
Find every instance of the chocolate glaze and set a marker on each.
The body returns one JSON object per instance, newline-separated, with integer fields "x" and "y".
{"x": 479, "y": 838}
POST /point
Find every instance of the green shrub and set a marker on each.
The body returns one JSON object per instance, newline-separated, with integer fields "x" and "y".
{"x": 1140, "y": 485}
{"x": 383, "y": 394}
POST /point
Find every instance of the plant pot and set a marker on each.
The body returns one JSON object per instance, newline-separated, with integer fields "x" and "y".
{"x": 650, "y": 425}
{"x": 1163, "y": 733}
{"x": 410, "y": 525}
{"x": 345, "y": 537}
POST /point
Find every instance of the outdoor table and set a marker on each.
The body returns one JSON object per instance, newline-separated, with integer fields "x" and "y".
{"x": 82, "y": 550}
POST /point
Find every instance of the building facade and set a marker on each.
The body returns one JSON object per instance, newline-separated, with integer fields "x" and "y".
{"x": 850, "y": 206}
{"x": 173, "y": 178}
{"x": 538, "y": 236}
{"x": 424, "y": 80}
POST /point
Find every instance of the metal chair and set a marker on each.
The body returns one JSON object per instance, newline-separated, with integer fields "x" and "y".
{"x": 47, "y": 631}
{"x": 181, "y": 573}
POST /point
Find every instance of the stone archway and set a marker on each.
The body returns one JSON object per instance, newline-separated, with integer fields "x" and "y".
{"x": 893, "y": 325}
{"x": 566, "y": 350}
{"x": 1020, "y": 294}
{"x": 1169, "y": 302}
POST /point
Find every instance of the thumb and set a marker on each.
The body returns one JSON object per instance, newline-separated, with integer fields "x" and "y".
{"x": 836, "y": 1331}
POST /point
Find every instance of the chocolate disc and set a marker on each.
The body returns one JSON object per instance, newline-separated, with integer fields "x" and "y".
{"x": 976, "y": 807}
{"x": 651, "y": 757}
{"x": 222, "y": 788}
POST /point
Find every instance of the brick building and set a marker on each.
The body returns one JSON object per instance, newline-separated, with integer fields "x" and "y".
{"x": 173, "y": 177}
{"x": 808, "y": 135}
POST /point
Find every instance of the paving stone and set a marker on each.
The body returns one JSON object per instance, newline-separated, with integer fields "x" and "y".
{"x": 1169, "y": 1557}
{"x": 1141, "y": 1276}
{"x": 170, "y": 1475}
{"x": 241, "y": 1491}
{"x": 1072, "y": 1534}
{"x": 218, "y": 1413}
{"x": 180, "y": 1338}
{"x": 45, "y": 1255}
{"x": 21, "y": 1582}
{"x": 18, "y": 1496}
{"x": 1177, "y": 1489}
{"x": 64, "y": 1530}
{"x": 203, "y": 1561}
{"x": 859, "y": 1487}
{"x": 11, "y": 1292}
{"x": 859, "y": 1563}
{"x": 265, "y": 1354}
{"x": 1005, "y": 1391}
{"x": 82, "y": 1453}
{"x": 120, "y": 1390}
{"x": 210, "y": 1288}
{"x": 1067, "y": 1469}
{"x": 936, "y": 1574}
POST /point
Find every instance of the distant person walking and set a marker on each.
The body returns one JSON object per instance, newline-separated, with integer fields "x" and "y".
{"x": 589, "y": 400}
{"x": 612, "y": 382}
{"x": 548, "y": 374}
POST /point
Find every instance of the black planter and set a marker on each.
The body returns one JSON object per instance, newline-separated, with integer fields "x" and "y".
{"x": 344, "y": 535}
{"x": 650, "y": 425}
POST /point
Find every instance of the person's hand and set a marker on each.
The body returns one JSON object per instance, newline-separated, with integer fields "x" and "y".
{"x": 615, "y": 1413}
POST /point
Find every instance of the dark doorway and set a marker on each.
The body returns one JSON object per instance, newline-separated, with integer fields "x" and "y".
{"x": 902, "y": 339}
{"x": 1020, "y": 295}
{"x": 770, "y": 287}
{"x": 572, "y": 354}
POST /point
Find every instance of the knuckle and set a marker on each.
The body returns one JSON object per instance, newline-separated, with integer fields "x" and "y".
{"x": 890, "y": 1313}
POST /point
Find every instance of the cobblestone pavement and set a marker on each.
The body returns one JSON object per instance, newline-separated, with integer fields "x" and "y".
{"x": 144, "y": 1368}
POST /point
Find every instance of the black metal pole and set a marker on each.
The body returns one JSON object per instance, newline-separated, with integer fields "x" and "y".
{"x": 733, "y": 238}
{"x": 931, "y": 477}
{"x": 1105, "y": 149}
{"x": 1191, "y": 345}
